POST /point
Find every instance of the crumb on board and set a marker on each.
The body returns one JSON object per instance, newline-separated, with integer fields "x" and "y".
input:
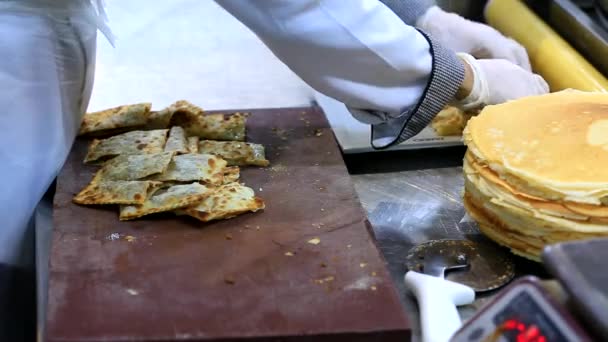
{"x": 257, "y": 227}
{"x": 349, "y": 246}
{"x": 132, "y": 292}
{"x": 228, "y": 236}
{"x": 374, "y": 274}
{"x": 322, "y": 209}
{"x": 314, "y": 241}
{"x": 324, "y": 280}
{"x": 362, "y": 265}
{"x": 373, "y": 288}
{"x": 318, "y": 132}
{"x": 289, "y": 254}
{"x": 130, "y": 238}
{"x": 113, "y": 236}
{"x": 229, "y": 280}
{"x": 324, "y": 265}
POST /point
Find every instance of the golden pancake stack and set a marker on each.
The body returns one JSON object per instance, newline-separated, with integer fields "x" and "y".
{"x": 536, "y": 170}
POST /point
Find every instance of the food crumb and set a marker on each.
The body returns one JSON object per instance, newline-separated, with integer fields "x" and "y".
{"x": 261, "y": 189}
{"x": 228, "y": 236}
{"x": 314, "y": 241}
{"x": 257, "y": 227}
{"x": 130, "y": 238}
{"x": 349, "y": 246}
{"x": 322, "y": 209}
{"x": 113, "y": 236}
{"x": 362, "y": 265}
{"x": 132, "y": 292}
{"x": 324, "y": 280}
{"x": 318, "y": 132}
{"x": 374, "y": 274}
{"x": 289, "y": 254}
{"x": 229, "y": 280}
{"x": 373, "y": 288}
{"x": 324, "y": 265}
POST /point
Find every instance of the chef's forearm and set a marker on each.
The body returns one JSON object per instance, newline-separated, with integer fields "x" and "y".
{"x": 360, "y": 53}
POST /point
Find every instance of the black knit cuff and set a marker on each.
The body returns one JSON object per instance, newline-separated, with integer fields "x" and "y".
{"x": 447, "y": 74}
{"x": 409, "y": 10}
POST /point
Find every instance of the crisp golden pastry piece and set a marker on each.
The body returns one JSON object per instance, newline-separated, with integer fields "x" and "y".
{"x": 450, "y": 121}
{"x": 135, "y": 166}
{"x": 135, "y": 142}
{"x": 128, "y": 116}
{"x": 235, "y": 153}
{"x": 115, "y": 192}
{"x": 194, "y": 167}
{"x": 196, "y": 123}
{"x": 225, "y": 202}
{"x": 231, "y": 174}
{"x": 193, "y": 144}
{"x": 166, "y": 199}
{"x": 176, "y": 142}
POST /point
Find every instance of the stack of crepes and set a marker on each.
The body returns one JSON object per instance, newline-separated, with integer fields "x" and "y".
{"x": 536, "y": 170}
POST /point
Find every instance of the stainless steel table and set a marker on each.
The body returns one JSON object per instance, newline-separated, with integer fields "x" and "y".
{"x": 412, "y": 197}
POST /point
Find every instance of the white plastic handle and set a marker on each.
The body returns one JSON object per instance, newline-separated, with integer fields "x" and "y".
{"x": 437, "y": 300}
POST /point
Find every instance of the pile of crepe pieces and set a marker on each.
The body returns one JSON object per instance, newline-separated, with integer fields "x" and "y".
{"x": 451, "y": 121}
{"x": 536, "y": 170}
{"x": 179, "y": 160}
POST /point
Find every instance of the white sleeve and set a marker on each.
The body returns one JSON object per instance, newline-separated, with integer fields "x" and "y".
{"x": 362, "y": 53}
{"x": 357, "y": 51}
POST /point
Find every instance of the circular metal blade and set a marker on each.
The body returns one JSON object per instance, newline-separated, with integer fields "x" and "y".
{"x": 490, "y": 266}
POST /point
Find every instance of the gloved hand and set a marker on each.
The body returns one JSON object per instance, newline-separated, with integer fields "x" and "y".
{"x": 497, "y": 80}
{"x": 479, "y": 40}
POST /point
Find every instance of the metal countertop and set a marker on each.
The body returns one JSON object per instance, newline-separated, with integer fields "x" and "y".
{"x": 412, "y": 197}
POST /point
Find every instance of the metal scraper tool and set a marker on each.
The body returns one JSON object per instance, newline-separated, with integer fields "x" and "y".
{"x": 443, "y": 274}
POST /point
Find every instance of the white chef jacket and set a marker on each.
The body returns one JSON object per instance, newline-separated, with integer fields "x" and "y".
{"x": 357, "y": 51}
{"x": 361, "y": 53}
{"x": 46, "y": 73}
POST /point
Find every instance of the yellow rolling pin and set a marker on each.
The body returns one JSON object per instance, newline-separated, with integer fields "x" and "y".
{"x": 551, "y": 56}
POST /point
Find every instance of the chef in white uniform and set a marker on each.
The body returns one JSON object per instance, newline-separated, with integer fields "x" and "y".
{"x": 377, "y": 57}
{"x": 392, "y": 62}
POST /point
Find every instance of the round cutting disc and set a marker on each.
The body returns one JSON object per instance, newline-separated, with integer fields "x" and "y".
{"x": 489, "y": 265}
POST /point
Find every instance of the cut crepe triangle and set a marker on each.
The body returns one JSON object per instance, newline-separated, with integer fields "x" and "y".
{"x": 135, "y": 166}
{"x": 115, "y": 192}
{"x": 135, "y": 142}
{"x": 196, "y": 123}
{"x": 176, "y": 142}
{"x": 193, "y": 144}
{"x": 127, "y": 116}
{"x": 174, "y": 197}
{"x": 231, "y": 174}
{"x": 225, "y": 202}
{"x": 194, "y": 167}
{"x": 235, "y": 153}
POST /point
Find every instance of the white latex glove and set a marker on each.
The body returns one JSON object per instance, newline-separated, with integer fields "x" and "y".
{"x": 479, "y": 40}
{"x": 497, "y": 80}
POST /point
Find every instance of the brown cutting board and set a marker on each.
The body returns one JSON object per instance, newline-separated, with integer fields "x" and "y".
{"x": 168, "y": 278}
